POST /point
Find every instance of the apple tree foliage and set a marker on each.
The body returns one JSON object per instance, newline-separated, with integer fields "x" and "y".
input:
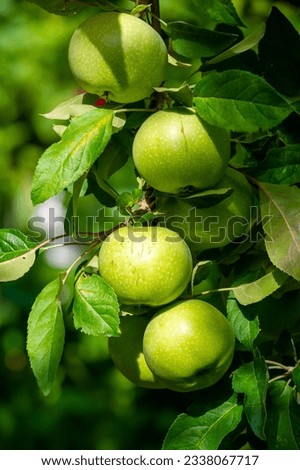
{"x": 246, "y": 81}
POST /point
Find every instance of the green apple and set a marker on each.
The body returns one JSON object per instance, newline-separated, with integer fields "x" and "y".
{"x": 145, "y": 265}
{"x": 189, "y": 345}
{"x": 174, "y": 149}
{"x": 215, "y": 226}
{"x": 117, "y": 55}
{"x": 126, "y": 352}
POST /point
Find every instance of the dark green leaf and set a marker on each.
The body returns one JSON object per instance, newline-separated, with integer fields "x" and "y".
{"x": 283, "y": 422}
{"x": 288, "y": 130}
{"x": 296, "y": 106}
{"x": 245, "y": 325}
{"x": 272, "y": 314}
{"x": 194, "y": 42}
{"x": 66, "y": 161}
{"x": 239, "y": 101}
{"x": 281, "y": 166}
{"x": 206, "y": 429}
{"x": 281, "y": 220}
{"x": 279, "y": 53}
{"x": 252, "y": 380}
{"x": 112, "y": 159}
{"x": 296, "y": 376}
{"x": 96, "y": 308}
{"x": 221, "y": 11}
{"x": 17, "y": 254}
{"x": 45, "y": 336}
{"x": 201, "y": 271}
{"x": 101, "y": 190}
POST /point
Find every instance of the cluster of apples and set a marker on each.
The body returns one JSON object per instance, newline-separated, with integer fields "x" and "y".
{"x": 180, "y": 344}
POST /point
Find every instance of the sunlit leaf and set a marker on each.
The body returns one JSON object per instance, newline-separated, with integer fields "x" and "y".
{"x": 96, "y": 308}
{"x": 75, "y": 106}
{"x": 205, "y": 428}
{"x": 242, "y": 46}
{"x": 257, "y": 290}
{"x": 17, "y": 254}
{"x": 66, "y": 161}
{"x": 45, "y": 336}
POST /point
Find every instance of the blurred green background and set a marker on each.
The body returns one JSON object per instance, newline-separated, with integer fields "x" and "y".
{"x": 92, "y": 406}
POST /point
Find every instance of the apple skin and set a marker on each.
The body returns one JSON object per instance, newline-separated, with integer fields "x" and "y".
{"x": 145, "y": 265}
{"x": 174, "y": 149}
{"x": 118, "y": 55}
{"x": 189, "y": 345}
{"x": 127, "y": 354}
{"x": 215, "y": 226}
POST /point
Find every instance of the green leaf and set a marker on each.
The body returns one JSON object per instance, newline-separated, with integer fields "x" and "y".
{"x": 139, "y": 9}
{"x": 201, "y": 271}
{"x": 252, "y": 380}
{"x": 67, "y": 160}
{"x": 283, "y": 422}
{"x": 75, "y": 106}
{"x": 102, "y": 191}
{"x": 257, "y": 290}
{"x": 194, "y": 42}
{"x": 296, "y": 376}
{"x": 127, "y": 200}
{"x": 245, "y": 325}
{"x": 221, "y": 11}
{"x": 281, "y": 166}
{"x": 17, "y": 254}
{"x": 281, "y": 221}
{"x": 272, "y": 318}
{"x": 296, "y": 106}
{"x": 207, "y": 198}
{"x": 239, "y": 101}
{"x": 113, "y": 157}
{"x": 205, "y": 428}
{"x": 61, "y": 7}
{"x": 96, "y": 308}
{"x": 45, "y": 335}
{"x": 242, "y": 46}
{"x": 279, "y": 54}
{"x": 182, "y": 94}
{"x": 14, "y": 243}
